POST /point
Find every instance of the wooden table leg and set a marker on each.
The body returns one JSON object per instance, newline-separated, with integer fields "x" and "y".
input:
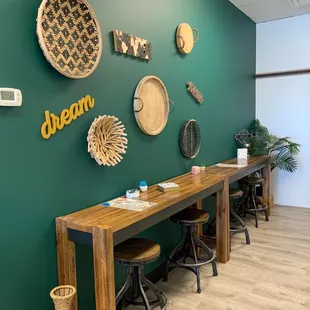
{"x": 266, "y": 187}
{"x": 66, "y": 258}
{"x": 223, "y": 224}
{"x": 104, "y": 268}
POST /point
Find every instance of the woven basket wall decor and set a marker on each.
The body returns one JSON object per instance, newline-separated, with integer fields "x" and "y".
{"x": 190, "y": 138}
{"x": 107, "y": 140}
{"x": 70, "y": 36}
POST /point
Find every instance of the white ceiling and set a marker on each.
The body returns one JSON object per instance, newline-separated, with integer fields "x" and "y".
{"x": 266, "y": 10}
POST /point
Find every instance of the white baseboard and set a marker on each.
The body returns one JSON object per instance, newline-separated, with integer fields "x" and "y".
{"x": 285, "y": 206}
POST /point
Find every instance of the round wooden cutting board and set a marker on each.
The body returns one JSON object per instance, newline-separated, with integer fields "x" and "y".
{"x": 151, "y": 105}
{"x": 185, "y": 38}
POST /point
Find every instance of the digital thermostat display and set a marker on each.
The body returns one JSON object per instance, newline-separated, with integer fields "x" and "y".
{"x": 7, "y": 95}
{"x": 10, "y": 97}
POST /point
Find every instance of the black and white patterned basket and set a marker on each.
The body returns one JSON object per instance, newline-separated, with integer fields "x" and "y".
{"x": 70, "y": 36}
{"x": 190, "y": 138}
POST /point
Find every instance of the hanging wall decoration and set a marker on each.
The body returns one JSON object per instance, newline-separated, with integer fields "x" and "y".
{"x": 53, "y": 123}
{"x": 192, "y": 89}
{"x": 107, "y": 140}
{"x": 190, "y": 138}
{"x": 151, "y": 105}
{"x": 134, "y": 46}
{"x": 185, "y": 38}
{"x": 70, "y": 37}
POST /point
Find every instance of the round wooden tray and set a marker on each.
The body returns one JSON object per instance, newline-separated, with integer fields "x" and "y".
{"x": 190, "y": 138}
{"x": 185, "y": 38}
{"x": 151, "y": 105}
{"x": 70, "y": 37}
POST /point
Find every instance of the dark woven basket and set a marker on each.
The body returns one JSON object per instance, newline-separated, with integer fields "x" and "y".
{"x": 190, "y": 138}
{"x": 69, "y": 36}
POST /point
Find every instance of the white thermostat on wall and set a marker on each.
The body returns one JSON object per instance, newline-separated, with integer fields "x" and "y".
{"x": 10, "y": 97}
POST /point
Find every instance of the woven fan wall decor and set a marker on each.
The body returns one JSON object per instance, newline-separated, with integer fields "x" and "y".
{"x": 107, "y": 140}
{"x": 70, "y": 36}
{"x": 190, "y": 138}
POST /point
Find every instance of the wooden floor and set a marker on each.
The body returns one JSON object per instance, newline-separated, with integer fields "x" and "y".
{"x": 271, "y": 273}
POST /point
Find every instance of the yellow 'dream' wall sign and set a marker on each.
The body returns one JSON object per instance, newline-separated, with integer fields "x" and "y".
{"x": 53, "y": 123}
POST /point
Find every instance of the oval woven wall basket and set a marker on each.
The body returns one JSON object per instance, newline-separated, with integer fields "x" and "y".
{"x": 107, "y": 140}
{"x": 70, "y": 36}
{"x": 190, "y": 138}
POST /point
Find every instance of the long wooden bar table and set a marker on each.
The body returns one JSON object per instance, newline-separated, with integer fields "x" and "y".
{"x": 104, "y": 227}
{"x": 233, "y": 174}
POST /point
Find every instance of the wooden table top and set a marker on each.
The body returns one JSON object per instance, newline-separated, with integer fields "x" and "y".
{"x": 117, "y": 219}
{"x": 230, "y": 171}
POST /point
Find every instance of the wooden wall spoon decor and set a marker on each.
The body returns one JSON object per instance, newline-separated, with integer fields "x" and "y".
{"x": 107, "y": 140}
{"x": 131, "y": 45}
{"x": 151, "y": 105}
{"x": 185, "y": 38}
{"x": 192, "y": 89}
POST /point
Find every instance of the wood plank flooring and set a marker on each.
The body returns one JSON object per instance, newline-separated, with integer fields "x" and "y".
{"x": 271, "y": 273}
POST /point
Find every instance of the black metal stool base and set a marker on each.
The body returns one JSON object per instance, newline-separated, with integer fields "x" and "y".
{"x": 250, "y": 202}
{"x": 243, "y": 229}
{"x": 187, "y": 248}
{"x": 136, "y": 279}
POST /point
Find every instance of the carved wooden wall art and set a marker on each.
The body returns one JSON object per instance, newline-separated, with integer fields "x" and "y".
{"x": 192, "y": 89}
{"x": 107, "y": 140}
{"x": 128, "y": 44}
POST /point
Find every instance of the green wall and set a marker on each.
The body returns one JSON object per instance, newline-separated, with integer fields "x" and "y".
{"x": 41, "y": 179}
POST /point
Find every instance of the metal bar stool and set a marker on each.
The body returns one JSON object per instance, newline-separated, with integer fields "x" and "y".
{"x": 187, "y": 247}
{"x": 134, "y": 254}
{"x": 250, "y": 202}
{"x": 234, "y": 195}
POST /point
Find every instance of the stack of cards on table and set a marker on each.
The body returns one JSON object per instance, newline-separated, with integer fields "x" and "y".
{"x": 168, "y": 187}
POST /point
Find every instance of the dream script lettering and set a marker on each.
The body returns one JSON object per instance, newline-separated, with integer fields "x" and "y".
{"x": 53, "y": 123}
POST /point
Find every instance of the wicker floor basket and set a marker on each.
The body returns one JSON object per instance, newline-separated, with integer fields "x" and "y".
{"x": 63, "y": 296}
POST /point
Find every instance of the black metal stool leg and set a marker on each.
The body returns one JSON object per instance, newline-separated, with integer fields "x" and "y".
{"x": 264, "y": 206}
{"x": 243, "y": 224}
{"x": 254, "y": 204}
{"x": 177, "y": 248}
{"x": 126, "y": 285}
{"x": 193, "y": 245}
{"x": 144, "y": 297}
{"x": 159, "y": 294}
{"x": 209, "y": 253}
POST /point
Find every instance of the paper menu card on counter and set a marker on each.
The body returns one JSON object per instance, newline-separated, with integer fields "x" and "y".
{"x": 129, "y": 204}
{"x": 231, "y": 165}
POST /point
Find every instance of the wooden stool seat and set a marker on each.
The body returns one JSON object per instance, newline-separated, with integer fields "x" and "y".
{"x": 134, "y": 254}
{"x": 252, "y": 181}
{"x": 136, "y": 250}
{"x": 235, "y": 193}
{"x": 191, "y": 216}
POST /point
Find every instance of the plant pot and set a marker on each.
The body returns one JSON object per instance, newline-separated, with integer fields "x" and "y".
{"x": 62, "y": 297}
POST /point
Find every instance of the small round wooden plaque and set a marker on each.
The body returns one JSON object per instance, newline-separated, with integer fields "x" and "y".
{"x": 185, "y": 38}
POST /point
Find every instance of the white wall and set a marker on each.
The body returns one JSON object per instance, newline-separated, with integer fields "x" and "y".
{"x": 283, "y": 103}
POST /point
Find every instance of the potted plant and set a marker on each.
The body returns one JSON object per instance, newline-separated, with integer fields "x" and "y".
{"x": 202, "y": 166}
{"x": 281, "y": 150}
